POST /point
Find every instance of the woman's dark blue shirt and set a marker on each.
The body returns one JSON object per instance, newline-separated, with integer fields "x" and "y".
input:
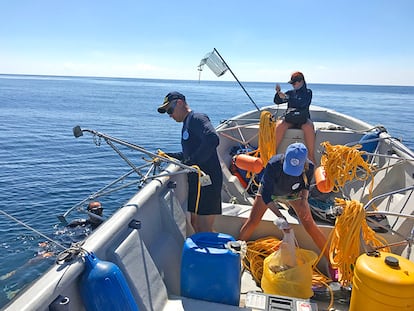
{"x": 300, "y": 99}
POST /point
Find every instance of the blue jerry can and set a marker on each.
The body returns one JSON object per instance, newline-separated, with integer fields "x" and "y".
{"x": 210, "y": 271}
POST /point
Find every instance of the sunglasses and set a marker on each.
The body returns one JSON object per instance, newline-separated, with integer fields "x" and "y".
{"x": 170, "y": 110}
{"x": 296, "y": 81}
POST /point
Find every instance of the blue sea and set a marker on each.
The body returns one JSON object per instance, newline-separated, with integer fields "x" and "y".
{"x": 45, "y": 170}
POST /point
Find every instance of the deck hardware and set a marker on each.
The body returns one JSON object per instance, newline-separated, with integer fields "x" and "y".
{"x": 135, "y": 224}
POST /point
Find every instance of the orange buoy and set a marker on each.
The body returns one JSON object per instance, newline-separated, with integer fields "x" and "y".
{"x": 235, "y": 172}
{"x": 322, "y": 183}
{"x": 241, "y": 179}
{"x": 249, "y": 163}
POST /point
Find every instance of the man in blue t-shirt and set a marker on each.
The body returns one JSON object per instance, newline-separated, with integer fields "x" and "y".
{"x": 199, "y": 142}
{"x": 286, "y": 178}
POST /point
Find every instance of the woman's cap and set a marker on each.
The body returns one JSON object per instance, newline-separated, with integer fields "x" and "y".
{"x": 168, "y": 99}
{"x": 295, "y": 159}
{"x": 296, "y": 77}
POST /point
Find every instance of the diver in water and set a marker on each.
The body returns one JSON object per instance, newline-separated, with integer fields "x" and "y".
{"x": 94, "y": 207}
{"x": 70, "y": 234}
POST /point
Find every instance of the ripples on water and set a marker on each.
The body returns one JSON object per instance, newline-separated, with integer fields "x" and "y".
{"x": 45, "y": 170}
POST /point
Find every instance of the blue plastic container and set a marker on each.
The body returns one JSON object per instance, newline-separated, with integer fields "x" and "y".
{"x": 103, "y": 287}
{"x": 369, "y": 146}
{"x": 210, "y": 271}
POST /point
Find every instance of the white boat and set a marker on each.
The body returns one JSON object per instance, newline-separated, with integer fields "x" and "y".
{"x": 145, "y": 238}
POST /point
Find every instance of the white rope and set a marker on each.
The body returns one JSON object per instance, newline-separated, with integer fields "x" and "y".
{"x": 33, "y": 229}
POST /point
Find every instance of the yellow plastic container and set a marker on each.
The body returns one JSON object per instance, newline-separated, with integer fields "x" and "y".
{"x": 294, "y": 282}
{"x": 382, "y": 283}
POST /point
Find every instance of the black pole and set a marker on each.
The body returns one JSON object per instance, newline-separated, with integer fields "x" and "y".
{"x": 251, "y": 99}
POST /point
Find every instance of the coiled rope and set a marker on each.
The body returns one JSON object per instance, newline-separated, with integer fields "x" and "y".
{"x": 267, "y": 136}
{"x": 267, "y": 144}
{"x": 257, "y": 251}
{"x": 345, "y": 238}
{"x": 341, "y": 164}
{"x": 345, "y": 247}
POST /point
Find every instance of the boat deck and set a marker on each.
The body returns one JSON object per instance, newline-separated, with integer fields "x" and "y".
{"x": 253, "y": 299}
{"x": 241, "y": 211}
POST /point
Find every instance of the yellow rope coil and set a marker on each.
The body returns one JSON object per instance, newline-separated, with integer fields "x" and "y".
{"x": 341, "y": 164}
{"x": 345, "y": 246}
{"x": 267, "y": 137}
{"x": 257, "y": 251}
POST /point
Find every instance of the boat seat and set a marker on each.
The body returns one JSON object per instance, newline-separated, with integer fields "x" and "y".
{"x": 291, "y": 136}
{"x": 243, "y": 211}
{"x": 322, "y": 134}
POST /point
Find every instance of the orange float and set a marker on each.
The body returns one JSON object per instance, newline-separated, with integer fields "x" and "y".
{"x": 235, "y": 172}
{"x": 249, "y": 163}
{"x": 322, "y": 183}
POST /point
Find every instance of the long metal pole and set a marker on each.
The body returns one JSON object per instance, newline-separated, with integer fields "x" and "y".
{"x": 251, "y": 99}
{"x": 77, "y": 132}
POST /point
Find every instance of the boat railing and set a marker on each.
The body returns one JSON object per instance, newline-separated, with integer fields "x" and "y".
{"x": 407, "y": 240}
{"x": 242, "y": 141}
{"x": 388, "y": 162}
{"x": 152, "y": 169}
{"x": 371, "y": 202}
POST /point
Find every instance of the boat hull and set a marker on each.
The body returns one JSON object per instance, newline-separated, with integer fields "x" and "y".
{"x": 145, "y": 237}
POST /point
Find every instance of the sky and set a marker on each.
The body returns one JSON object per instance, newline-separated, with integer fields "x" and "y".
{"x": 338, "y": 41}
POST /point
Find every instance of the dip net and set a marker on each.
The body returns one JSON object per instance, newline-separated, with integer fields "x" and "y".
{"x": 214, "y": 62}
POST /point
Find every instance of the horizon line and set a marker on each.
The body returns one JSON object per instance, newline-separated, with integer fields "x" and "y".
{"x": 170, "y": 79}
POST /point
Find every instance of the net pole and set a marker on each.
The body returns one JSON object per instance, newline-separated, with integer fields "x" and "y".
{"x": 251, "y": 99}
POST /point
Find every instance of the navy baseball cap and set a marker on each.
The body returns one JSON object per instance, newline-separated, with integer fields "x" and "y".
{"x": 168, "y": 99}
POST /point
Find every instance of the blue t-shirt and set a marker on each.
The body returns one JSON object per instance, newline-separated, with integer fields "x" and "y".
{"x": 275, "y": 182}
{"x": 199, "y": 142}
{"x": 199, "y": 139}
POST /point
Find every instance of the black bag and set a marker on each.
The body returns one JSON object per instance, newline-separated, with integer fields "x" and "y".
{"x": 296, "y": 116}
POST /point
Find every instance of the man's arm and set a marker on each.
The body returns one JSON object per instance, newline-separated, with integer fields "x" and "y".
{"x": 274, "y": 207}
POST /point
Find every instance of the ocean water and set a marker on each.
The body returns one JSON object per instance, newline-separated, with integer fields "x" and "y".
{"x": 45, "y": 170}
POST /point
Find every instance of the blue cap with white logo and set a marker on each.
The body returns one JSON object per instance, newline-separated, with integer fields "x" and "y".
{"x": 295, "y": 158}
